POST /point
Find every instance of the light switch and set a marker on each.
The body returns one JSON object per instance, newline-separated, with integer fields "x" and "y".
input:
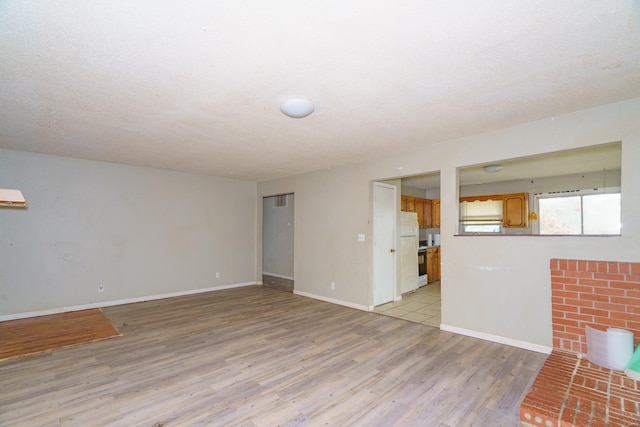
{"x": 361, "y": 237}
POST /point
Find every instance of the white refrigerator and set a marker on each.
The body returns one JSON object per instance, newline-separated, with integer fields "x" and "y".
{"x": 408, "y": 252}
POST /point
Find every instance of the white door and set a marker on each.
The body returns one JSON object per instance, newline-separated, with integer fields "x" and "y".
{"x": 384, "y": 242}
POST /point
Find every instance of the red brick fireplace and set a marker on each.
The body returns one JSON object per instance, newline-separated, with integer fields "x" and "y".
{"x": 570, "y": 390}
{"x": 601, "y": 294}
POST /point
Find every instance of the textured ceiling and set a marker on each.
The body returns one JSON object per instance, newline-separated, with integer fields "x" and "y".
{"x": 196, "y": 85}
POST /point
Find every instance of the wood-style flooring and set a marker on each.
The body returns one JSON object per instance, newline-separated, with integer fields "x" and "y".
{"x": 256, "y": 356}
{"x": 278, "y": 283}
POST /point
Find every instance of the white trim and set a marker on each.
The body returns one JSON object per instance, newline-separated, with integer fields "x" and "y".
{"x": 498, "y": 339}
{"x": 264, "y": 273}
{"x": 332, "y": 300}
{"x": 119, "y": 302}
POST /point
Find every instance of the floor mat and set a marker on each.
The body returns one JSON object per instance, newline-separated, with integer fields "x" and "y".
{"x": 34, "y": 335}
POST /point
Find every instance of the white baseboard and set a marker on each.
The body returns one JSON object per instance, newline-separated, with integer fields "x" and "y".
{"x": 119, "y": 302}
{"x": 332, "y": 300}
{"x": 264, "y": 273}
{"x": 498, "y": 339}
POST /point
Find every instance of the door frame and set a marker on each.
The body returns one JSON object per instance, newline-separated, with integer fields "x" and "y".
{"x": 262, "y": 228}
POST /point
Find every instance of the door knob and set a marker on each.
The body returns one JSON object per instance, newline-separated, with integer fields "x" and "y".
{"x": 392, "y": 250}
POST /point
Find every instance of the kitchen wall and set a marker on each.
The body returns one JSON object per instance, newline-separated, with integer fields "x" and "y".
{"x": 432, "y": 193}
{"x": 141, "y": 232}
{"x": 277, "y": 243}
{"x": 540, "y": 185}
{"x": 496, "y": 287}
{"x": 413, "y": 191}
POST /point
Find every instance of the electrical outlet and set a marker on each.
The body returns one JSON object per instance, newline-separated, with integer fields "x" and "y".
{"x": 100, "y": 287}
{"x": 217, "y": 274}
{"x": 333, "y": 285}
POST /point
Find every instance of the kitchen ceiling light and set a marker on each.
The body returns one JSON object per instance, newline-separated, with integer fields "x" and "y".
{"x": 297, "y": 107}
{"x": 493, "y": 168}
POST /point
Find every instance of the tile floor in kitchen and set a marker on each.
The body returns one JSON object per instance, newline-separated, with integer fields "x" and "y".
{"x": 421, "y": 306}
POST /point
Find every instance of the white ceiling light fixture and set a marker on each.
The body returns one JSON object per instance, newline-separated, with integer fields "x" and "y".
{"x": 493, "y": 168}
{"x": 297, "y": 107}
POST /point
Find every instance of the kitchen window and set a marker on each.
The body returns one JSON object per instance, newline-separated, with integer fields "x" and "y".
{"x": 579, "y": 212}
{"x": 481, "y": 217}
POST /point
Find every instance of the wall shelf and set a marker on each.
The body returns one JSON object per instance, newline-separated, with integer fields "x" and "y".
{"x": 12, "y": 198}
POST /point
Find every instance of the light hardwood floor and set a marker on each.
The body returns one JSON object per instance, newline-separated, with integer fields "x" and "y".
{"x": 257, "y": 356}
{"x": 278, "y": 283}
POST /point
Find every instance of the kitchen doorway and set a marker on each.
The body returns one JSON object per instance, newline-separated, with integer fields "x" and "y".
{"x": 421, "y": 194}
{"x": 278, "y": 219}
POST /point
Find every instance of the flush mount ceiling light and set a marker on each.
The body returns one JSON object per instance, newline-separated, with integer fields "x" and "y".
{"x": 297, "y": 107}
{"x": 493, "y": 168}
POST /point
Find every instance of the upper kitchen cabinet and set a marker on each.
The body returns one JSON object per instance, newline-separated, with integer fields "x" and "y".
{"x": 411, "y": 204}
{"x": 487, "y": 213}
{"x": 407, "y": 203}
{"x": 515, "y": 210}
{"x": 570, "y": 192}
{"x": 418, "y": 208}
{"x": 422, "y": 207}
{"x": 427, "y": 213}
{"x": 436, "y": 213}
{"x": 418, "y": 196}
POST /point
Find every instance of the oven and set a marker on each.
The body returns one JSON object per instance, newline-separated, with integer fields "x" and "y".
{"x": 422, "y": 266}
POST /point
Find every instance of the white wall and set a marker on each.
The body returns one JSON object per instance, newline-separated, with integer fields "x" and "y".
{"x": 140, "y": 231}
{"x": 498, "y": 286}
{"x": 332, "y": 208}
{"x": 412, "y": 191}
{"x": 277, "y": 243}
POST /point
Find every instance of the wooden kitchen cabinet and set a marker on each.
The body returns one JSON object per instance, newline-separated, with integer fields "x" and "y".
{"x": 435, "y": 208}
{"x": 433, "y": 264}
{"x": 515, "y": 210}
{"x": 418, "y": 208}
{"x": 422, "y": 207}
{"x": 427, "y": 214}
{"x": 411, "y": 204}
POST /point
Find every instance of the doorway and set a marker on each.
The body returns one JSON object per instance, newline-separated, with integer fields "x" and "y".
{"x": 421, "y": 194}
{"x": 278, "y": 219}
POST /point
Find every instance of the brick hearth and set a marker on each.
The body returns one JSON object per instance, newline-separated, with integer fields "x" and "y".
{"x": 570, "y": 390}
